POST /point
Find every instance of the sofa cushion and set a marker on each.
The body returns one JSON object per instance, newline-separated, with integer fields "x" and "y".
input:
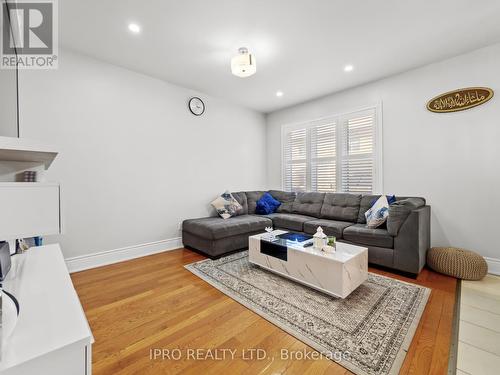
{"x": 215, "y": 228}
{"x": 252, "y": 198}
{"x": 289, "y": 221}
{"x": 344, "y": 207}
{"x": 286, "y": 198}
{"x": 330, "y": 227}
{"x": 241, "y": 197}
{"x": 361, "y": 234}
{"x": 367, "y": 202}
{"x": 308, "y": 204}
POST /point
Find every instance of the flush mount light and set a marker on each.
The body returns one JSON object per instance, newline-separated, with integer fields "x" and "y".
{"x": 243, "y": 64}
{"x": 348, "y": 68}
{"x": 135, "y": 28}
{"x": 279, "y": 94}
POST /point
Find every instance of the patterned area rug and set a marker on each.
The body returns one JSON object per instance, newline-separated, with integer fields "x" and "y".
{"x": 369, "y": 332}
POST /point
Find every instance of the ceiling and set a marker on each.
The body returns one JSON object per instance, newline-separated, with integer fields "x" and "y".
{"x": 301, "y": 47}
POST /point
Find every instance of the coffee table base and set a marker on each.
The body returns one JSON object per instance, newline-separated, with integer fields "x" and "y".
{"x": 335, "y": 274}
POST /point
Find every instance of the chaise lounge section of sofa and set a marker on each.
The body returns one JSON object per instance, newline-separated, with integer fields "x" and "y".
{"x": 400, "y": 244}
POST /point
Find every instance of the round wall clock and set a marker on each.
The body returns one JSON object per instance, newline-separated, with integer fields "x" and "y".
{"x": 196, "y": 106}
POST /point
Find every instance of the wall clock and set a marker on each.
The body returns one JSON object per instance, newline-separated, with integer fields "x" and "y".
{"x": 196, "y": 106}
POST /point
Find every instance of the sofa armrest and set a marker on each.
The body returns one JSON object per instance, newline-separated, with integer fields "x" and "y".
{"x": 399, "y": 211}
{"x": 413, "y": 240}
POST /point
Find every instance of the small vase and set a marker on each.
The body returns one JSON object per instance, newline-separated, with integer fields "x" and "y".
{"x": 328, "y": 249}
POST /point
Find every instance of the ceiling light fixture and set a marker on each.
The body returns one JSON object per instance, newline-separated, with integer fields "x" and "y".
{"x": 243, "y": 64}
{"x": 135, "y": 28}
{"x": 348, "y": 68}
{"x": 279, "y": 94}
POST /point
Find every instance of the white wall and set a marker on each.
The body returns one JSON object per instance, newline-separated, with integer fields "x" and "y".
{"x": 451, "y": 159}
{"x": 134, "y": 161}
{"x": 8, "y": 103}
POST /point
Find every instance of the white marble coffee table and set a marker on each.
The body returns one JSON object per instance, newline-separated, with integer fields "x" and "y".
{"x": 336, "y": 274}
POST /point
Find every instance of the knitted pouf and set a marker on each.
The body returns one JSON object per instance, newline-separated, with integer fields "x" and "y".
{"x": 459, "y": 263}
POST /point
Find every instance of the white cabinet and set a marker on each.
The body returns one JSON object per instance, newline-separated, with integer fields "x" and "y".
{"x": 32, "y": 206}
{"x": 52, "y": 336}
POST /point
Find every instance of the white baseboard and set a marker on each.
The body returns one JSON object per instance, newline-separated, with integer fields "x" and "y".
{"x": 493, "y": 265}
{"x": 103, "y": 258}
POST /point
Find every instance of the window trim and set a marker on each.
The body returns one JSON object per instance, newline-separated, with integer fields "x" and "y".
{"x": 378, "y": 181}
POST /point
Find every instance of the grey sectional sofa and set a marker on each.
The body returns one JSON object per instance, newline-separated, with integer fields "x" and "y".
{"x": 400, "y": 244}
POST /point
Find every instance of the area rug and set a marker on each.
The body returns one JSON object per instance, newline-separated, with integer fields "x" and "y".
{"x": 368, "y": 332}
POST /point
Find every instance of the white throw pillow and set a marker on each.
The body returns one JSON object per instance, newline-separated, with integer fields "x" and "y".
{"x": 226, "y": 205}
{"x": 378, "y": 213}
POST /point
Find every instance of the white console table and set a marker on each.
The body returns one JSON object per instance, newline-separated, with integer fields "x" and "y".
{"x": 52, "y": 336}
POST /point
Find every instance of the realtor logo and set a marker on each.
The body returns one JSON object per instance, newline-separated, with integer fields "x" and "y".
{"x": 29, "y": 34}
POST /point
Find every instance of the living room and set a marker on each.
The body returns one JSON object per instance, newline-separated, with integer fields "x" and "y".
{"x": 233, "y": 187}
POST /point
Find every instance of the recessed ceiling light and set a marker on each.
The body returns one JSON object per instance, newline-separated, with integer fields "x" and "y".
{"x": 135, "y": 28}
{"x": 348, "y": 68}
{"x": 279, "y": 93}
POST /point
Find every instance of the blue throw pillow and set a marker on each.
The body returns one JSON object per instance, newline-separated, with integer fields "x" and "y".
{"x": 267, "y": 205}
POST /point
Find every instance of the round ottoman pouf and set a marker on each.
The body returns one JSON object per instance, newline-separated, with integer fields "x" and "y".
{"x": 459, "y": 263}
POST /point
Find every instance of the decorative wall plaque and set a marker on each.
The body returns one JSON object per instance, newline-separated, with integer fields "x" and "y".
{"x": 459, "y": 100}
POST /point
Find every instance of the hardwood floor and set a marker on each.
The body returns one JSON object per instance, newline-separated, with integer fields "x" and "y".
{"x": 153, "y": 302}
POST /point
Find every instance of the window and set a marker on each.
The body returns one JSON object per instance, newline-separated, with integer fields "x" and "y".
{"x": 334, "y": 154}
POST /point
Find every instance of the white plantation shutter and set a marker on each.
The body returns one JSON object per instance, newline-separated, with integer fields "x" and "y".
{"x": 295, "y": 158}
{"x": 323, "y": 157}
{"x": 358, "y": 135}
{"x": 335, "y": 154}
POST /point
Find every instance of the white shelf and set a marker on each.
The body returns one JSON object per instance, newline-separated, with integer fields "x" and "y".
{"x": 22, "y": 149}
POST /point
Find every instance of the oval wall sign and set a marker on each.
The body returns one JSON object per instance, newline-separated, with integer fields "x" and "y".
{"x": 459, "y": 100}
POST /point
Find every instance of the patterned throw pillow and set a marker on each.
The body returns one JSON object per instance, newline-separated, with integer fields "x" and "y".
{"x": 390, "y": 199}
{"x": 378, "y": 213}
{"x": 226, "y": 205}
